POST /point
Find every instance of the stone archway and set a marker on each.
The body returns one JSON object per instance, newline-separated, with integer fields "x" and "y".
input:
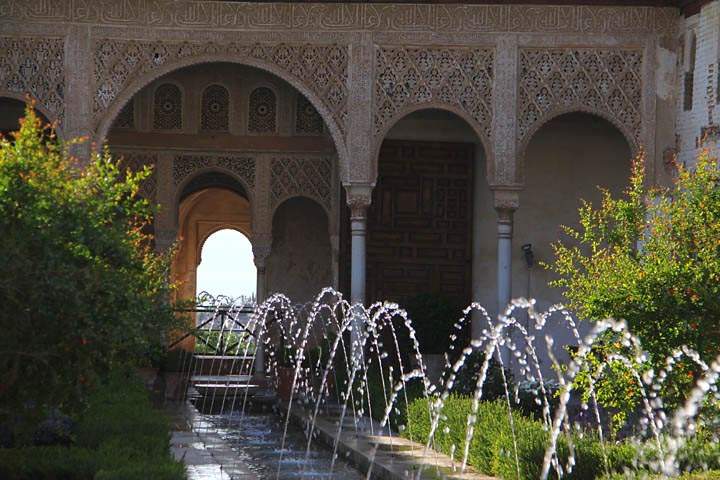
{"x": 327, "y": 95}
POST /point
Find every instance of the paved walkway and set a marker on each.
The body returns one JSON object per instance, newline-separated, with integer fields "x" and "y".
{"x": 205, "y": 454}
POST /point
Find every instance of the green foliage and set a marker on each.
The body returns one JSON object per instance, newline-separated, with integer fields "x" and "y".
{"x": 652, "y": 258}
{"x": 494, "y": 385}
{"x": 82, "y": 288}
{"x": 493, "y": 446}
{"x": 208, "y": 341}
{"x": 119, "y": 436}
{"x": 433, "y": 317}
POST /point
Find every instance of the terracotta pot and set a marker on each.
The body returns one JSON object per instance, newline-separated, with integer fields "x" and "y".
{"x": 285, "y": 376}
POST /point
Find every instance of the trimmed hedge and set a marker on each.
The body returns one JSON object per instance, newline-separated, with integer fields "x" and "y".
{"x": 119, "y": 436}
{"x": 492, "y": 449}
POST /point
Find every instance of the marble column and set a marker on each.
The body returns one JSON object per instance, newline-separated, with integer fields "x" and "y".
{"x": 505, "y": 202}
{"x": 261, "y": 250}
{"x": 358, "y": 198}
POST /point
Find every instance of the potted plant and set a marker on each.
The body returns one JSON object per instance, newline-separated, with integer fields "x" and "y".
{"x": 285, "y": 371}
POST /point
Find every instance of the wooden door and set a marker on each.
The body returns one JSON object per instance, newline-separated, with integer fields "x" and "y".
{"x": 420, "y": 221}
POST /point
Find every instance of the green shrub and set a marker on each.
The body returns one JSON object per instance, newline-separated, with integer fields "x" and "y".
{"x": 493, "y": 445}
{"x": 79, "y": 272}
{"x": 53, "y": 462}
{"x": 119, "y": 436}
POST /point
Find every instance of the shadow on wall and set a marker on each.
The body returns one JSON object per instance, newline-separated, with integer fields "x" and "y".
{"x": 299, "y": 265}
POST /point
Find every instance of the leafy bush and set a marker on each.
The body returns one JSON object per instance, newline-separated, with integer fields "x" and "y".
{"x": 652, "y": 259}
{"x": 119, "y": 436}
{"x": 81, "y": 287}
{"x": 494, "y": 386}
{"x": 51, "y": 462}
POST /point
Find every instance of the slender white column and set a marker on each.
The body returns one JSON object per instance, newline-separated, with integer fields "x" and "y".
{"x": 504, "y": 258}
{"x": 506, "y": 202}
{"x": 261, "y": 252}
{"x": 358, "y": 198}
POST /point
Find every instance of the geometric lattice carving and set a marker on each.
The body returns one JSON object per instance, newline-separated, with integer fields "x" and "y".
{"x": 301, "y": 176}
{"x": 136, "y": 162}
{"x": 606, "y": 81}
{"x": 215, "y": 109}
{"x": 243, "y": 167}
{"x": 307, "y": 120}
{"x": 126, "y": 117}
{"x": 261, "y": 110}
{"x": 167, "y": 114}
{"x": 462, "y": 77}
{"x": 186, "y": 165}
{"x": 35, "y": 66}
{"x": 322, "y": 69}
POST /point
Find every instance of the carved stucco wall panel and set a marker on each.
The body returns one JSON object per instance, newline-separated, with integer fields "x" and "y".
{"x": 135, "y": 161}
{"x": 459, "y": 77}
{"x": 34, "y": 66}
{"x": 603, "y": 81}
{"x": 240, "y": 167}
{"x": 295, "y": 175}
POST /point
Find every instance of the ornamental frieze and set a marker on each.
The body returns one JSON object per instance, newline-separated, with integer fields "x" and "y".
{"x": 458, "y": 77}
{"x": 345, "y": 17}
{"x": 322, "y": 69}
{"x": 606, "y": 81}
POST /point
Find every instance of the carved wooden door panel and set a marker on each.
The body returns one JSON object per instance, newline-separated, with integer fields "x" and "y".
{"x": 420, "y": 221}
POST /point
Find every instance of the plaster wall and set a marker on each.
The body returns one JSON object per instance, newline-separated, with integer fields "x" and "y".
{"x": 299, "y": 264}
{"x": 567, "y": 160}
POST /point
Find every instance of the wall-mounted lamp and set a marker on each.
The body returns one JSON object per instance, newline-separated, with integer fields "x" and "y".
{"x": 529, "y": 255}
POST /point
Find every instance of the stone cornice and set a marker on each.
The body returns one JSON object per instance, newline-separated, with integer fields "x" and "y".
{"x": 374, "y": 17}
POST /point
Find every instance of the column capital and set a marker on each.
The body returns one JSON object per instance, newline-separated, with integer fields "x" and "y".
{"x": 165, "y": 239}
{"x": 359, "y": 197}
{"x": 261, "y": 246}
{"x": 506, "y": 199}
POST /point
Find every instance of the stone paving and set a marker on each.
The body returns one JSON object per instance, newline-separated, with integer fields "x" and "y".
{"x": 205, "y": 454}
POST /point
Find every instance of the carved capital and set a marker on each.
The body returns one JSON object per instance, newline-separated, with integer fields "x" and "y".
{"x": 262, "y": 246}
{"x": 506, "y": 199}
{"x": 164, "y": 239}
{"x": 359, "y": 197}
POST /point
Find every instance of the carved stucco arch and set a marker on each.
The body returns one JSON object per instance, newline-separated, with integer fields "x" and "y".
{"x": 180, "y": 187}
{"x": 38, "y": 105}
{"x": 628, "y": 135}
{"x": 107, "y": 117}
{"x": 478, "y": 129}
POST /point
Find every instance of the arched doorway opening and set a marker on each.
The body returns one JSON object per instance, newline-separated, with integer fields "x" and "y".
{"x": 212, "y": 133}
{"x": 431, "y": 222}
{"x": 566, "y": 161}
{"x": 227, "y": 267}
{"x": 203, "y": 211}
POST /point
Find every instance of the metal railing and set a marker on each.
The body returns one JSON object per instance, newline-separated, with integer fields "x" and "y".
{"x": 229, "y": 328}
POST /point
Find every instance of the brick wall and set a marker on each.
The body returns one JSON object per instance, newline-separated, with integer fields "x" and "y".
{"x": 700, "y": 111}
